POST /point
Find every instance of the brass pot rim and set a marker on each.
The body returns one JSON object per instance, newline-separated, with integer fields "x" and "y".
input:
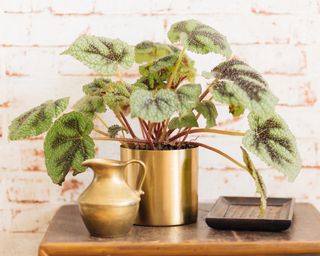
{"x": 160, "y": 150}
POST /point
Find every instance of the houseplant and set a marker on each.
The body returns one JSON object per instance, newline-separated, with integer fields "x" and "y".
{"x": 167, "y": 104}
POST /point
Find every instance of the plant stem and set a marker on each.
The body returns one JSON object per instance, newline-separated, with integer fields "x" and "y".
{"x": 146, "y": 132}
{"x": 121, "y": 140}
{"x": 128, "y": 125}
{"x": 220, "y": 153}
{"x": 175, "y": 68}
{"x": 216, "y": 131}
{"x": 164, "y": 131}
{"x": 101, "y": 120}
{"x": 119, "y": 74}
{"x": 101, "y": 132}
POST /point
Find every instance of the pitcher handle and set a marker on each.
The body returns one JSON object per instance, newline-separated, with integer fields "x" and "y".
{"x": 144, "y": 172}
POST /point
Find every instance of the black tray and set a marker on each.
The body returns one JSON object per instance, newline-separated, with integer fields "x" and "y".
{"x": 242, "y": 213}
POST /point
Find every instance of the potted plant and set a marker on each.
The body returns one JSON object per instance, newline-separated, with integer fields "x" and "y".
{"x": 167, "y": 103}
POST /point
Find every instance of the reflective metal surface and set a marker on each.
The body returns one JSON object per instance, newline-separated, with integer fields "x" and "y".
{"x": 109, "y": 206}
{"x": 171, "y": 185}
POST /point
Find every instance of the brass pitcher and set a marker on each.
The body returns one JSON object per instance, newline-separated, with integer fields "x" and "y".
{"x": 109, "y": 206}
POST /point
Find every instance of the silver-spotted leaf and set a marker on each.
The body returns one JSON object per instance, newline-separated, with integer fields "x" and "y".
{"x": 89, "y": 105}
{"x": 117, "y": 95}
{"x": 239, "y": 84}
{"x": 37, "y": 120}
{"x": 260, "y": 187}
{"x": 185, "y": 121}
{"x": 188, "y": 97}
{"x": 102, "y": 54}
{"x": 153, "y": 106}
{"x": 199, "y": 38}
{"x": 209, "y": 112}
{"x": 115, "y": 129}
{"x": 97, "y": 87}
{"x": 148, "y": 51}
{"x": 67, "y": 145}
{"x": 271, "y": 140}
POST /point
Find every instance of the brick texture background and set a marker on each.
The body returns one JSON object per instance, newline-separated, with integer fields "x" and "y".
{"x": 280, "y": 38}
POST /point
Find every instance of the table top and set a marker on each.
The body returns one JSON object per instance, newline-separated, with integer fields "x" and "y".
{"x": 67, "y": 235}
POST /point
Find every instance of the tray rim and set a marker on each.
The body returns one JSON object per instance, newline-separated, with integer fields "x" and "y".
{"x": 289, "y": 200}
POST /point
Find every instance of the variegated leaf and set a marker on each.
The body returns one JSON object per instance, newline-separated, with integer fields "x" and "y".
{"x": 89, "y": 105}
{"x": 209, "y": 112}
{"x": 199, "y": 38}
{"x": 114, "y": 130}
{"x": 239, "y": 84}
{"x": 102, "y": 54}
{"x": 97, "y": 87}
{"x": 272, "y": 141}
{"x": 261, "y": 188}
{"x": 157, "y": 73}
{"x": 154, "y": 107}
{"x": 67, "y": 145}
{"x": 117, "y": 95}
{"x": 148, "y": 51}
{"x": 188, "y": 97}
{"x": 37, "y": 120}
{"x": 185, "y": 121}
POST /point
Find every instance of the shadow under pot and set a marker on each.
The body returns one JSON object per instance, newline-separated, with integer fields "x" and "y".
{"x": 170, "y": 186}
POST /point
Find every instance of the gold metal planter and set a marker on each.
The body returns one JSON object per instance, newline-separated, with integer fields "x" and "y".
{"x": 171, "y": 185}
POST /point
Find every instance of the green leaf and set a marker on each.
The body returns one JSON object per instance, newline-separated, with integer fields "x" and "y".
{"x": 148, "y": 51}
{"x": 37, "y": 120}
{"x": 239, "y": 84}
{"x": 114, "y": 130}
{"x": 60, "y": 105}
{"x": 102, "y": 54}
{"x": 67, "y": 145}
{"x": 154, "y": 107}
{"x": 89, "y": 105}
{"x": 118, "y": 96}
{"x": 272, "y": 141}
{"x": 209, "y": 112}
{"x": 199, "y": 38}
{"x": 188, "y": 97}
{"x": 155, "y": 74}
{"x": 236, "y": 109}
{"x": 185, "y": 121}
{"x": 97, "y": 87}
{"x": 261, "y": 188}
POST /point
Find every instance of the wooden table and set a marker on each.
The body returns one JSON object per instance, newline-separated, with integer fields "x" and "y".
{"x": 67, "y": 235}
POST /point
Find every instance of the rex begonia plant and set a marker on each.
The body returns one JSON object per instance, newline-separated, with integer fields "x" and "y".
{"x": 166, "y": 101}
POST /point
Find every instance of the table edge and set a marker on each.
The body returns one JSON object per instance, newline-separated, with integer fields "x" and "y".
{"x": 186, "y": 248}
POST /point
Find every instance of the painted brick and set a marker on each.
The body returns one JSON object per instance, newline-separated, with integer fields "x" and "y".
{"x": 303, "y": 28}
{"x": 18, "y": 7}
{"x": 19, "y": 31}
{"x": 270, "y": 7}
{"x": 10, "y": 156}
{"x": 204, "y": 7}
{"x": 32, "y": 155}
{"x": 25, "y": 188}
{"x": 293, "y": 90}
{"x": 123, "y": 7}
{"x": 33, "y": 218}
{"x": 69, "y": 7}
{"x": 30, "y": 61}
{"x": 273, "y": 59}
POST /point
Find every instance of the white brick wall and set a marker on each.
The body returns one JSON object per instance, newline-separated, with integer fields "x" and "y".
{"x": 279, "y": 38}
